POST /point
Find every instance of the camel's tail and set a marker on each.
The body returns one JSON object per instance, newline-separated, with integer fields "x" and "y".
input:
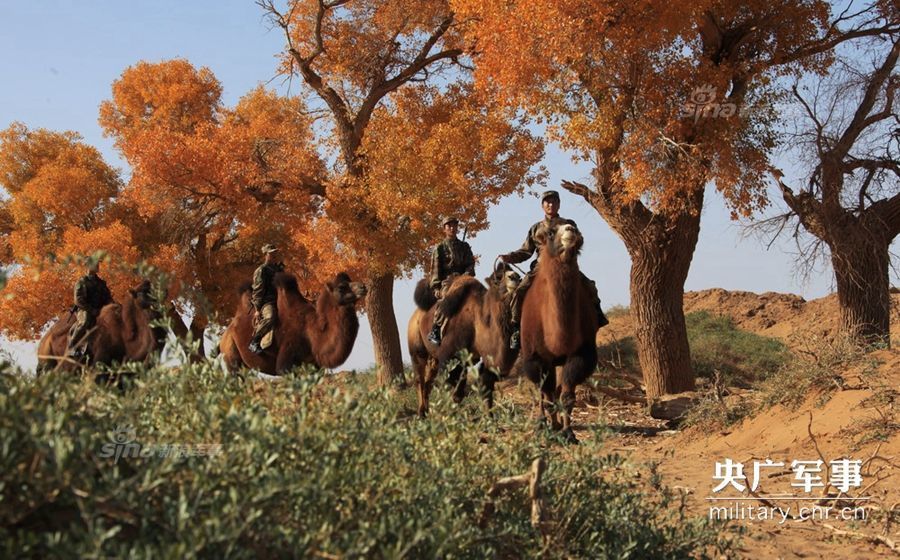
{"x": 424, "y": 295}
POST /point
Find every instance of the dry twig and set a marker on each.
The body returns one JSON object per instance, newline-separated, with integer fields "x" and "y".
{"x": 532, "y": 480}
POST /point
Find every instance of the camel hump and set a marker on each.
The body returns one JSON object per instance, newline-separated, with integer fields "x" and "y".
{"x": 111, "y": 307}
{"x": 423, "y": 295}
{"x": 459, "y": 293}
{"x": 288, "y": 282}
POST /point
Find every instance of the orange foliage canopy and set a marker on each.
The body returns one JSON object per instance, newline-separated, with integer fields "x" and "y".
{"x": 428, "y": 154}
{"x": 665, "y": 95}
{"x": 410, "y": 151}
{"x": 209, "y": 186}
{"x": 61, "y": 204}
{"x": 220, "y": 181}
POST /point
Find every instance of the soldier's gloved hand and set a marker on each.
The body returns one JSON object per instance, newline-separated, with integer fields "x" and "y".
{"x": 437, "y": 293}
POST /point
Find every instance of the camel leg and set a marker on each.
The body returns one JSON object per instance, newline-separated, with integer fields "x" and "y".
{"x": 423, "y": 369}
{"x": 577, "y": 369}
{"x": 456, "y": 377}
{"x": 488, "y": 379}
{"x": 419, "y": 375}
{"x": 548, "y": 410}
{"x": 197, "y": 331}
{"x": 457, "y": 381}
{"x": 230, "y": 354}
{"x": 542, "y": 376}
{"x": 45, "y": 365}
{"x": 567, "y": 402}
{"x": 549, "y": 399}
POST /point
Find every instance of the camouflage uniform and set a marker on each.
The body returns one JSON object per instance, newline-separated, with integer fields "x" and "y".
{"x": 91, "y": 294}
{"x": 450, "y": 258}
{"x": 530, "y": 247}
{"x": 263, "y": 297}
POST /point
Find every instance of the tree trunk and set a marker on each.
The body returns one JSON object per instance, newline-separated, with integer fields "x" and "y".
{"x": 861, "y": 267}
{"x": 385, "y": 336}
{"x": 659, "y": 268}
{"x": 661, "y": 246}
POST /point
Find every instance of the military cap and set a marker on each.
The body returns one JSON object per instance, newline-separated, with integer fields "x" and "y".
{"x": 549, "y": 194}
{"x": 269, "y": 248}
{"x": 449, "y": 220}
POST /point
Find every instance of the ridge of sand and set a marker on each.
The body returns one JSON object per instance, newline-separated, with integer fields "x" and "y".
{"x": 784, "y": 316}
{"x": 853, "y": 423}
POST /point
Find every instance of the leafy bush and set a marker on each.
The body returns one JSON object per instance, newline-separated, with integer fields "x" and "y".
{"x": 621, "y": 355}
{"x": 815, "y": 367}
{"x": 741, "y": 357}
{"x": 617, "y": 311}
{"x": 312, "y": 465}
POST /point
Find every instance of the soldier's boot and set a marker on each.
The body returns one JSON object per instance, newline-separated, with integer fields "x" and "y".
{"x": 77, "y": 344}
{"x": 254, "y": 345}
{"x": 514, "y": 342}
{"x": 434, "y": 336}
{"x": 515, "y": 316}
{"x": 76, "y": 353}
{"x": 515, "y": 310}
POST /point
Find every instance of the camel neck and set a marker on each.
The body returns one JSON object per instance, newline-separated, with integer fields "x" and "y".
{"x": 494, "y": 307}
{"x": 562, "y": 280}
{"x": 129, "y": 319}
{"x": 335, "y": 330}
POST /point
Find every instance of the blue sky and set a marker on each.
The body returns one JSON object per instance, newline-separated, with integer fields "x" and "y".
{"x": 59, "y": 59}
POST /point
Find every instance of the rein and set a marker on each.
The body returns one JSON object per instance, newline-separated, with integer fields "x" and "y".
{"x": 509, "y": 264}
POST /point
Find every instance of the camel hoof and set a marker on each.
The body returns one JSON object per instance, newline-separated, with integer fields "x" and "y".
{"x": 569, "y": 436}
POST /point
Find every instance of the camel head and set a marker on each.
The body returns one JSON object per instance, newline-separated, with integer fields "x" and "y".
{"x": 141, "y": 295}
{"x": 504, "y": 280}
{"x": 563, "y": 241}
{"x": 344, "y": 291}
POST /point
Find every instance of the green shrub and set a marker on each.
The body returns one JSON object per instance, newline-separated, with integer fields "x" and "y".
{"x": 617, "y": 311}
{"x": 309, "y": 466}
{"x": 620, "y": 354}
{"x": 815, "y": 367}
{"x": 741, "y": 357}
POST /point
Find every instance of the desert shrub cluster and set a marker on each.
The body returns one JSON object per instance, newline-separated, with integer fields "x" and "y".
{"x": 314, "y": 465}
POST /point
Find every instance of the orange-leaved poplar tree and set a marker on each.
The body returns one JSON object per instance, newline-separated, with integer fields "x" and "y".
{"x": 61, "y": 205}
{"x": 220, "y": 181}
{"x": 413, "y": 141}
{"x": 664, "y": 98}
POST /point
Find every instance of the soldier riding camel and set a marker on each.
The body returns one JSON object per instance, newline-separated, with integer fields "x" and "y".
{"x": 91, "y": 294}
{"x": 264, "y": 297}
{"x": 550, "y": 204}
{"x": 450, "y": 258}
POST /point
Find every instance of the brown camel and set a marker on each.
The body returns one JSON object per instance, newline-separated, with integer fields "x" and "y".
{"x": 478, "y": 321}
{"x": 559, "y": 325}
{"x": 319, "y": 333}
{"x": 122, "y": 334}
